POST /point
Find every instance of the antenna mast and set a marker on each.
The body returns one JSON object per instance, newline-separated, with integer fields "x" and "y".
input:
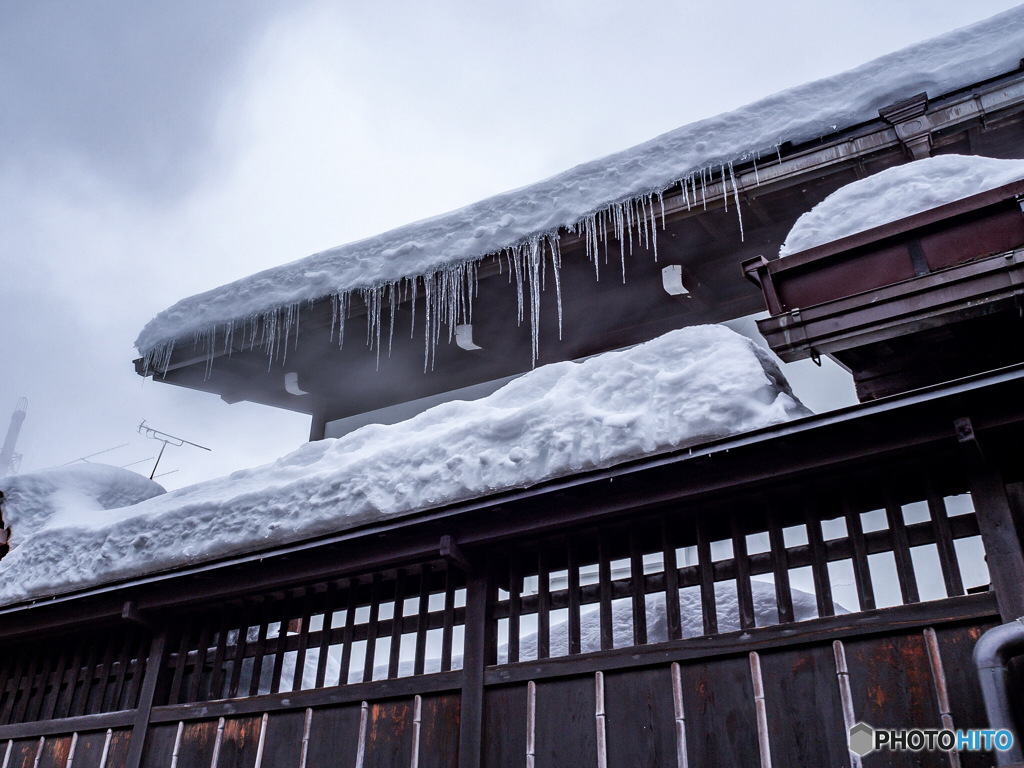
{"x": 10, "y": 461}
{"x": 166, "y": 439}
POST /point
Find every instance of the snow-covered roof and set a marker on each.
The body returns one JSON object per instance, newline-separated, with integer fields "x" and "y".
{"x": 897, "y": 193}
{"x": 622, "y": 191}
{"x": 62, "y": 496}
{"x": 684, "y": 388}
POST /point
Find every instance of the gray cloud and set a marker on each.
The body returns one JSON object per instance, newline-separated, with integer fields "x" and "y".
{"x": 128, "y": 89}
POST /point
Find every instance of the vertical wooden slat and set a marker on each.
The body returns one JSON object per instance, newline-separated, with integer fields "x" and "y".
{"x": 673, "y": 619}
{"x": 901, "y": 551}
{"x": 573, "y": 565}
{"x": 604, "y": 578}
{"x": 394, "y": 657}
{"x": 18, "y": 715}
{"x": 7, "y": 664}
{"x": 50, "y": 706}
{"x": 422, "y": 620}
{"x": 261, "y": 650}
{"x": 282, "y": 645}
{"x": 112, "y": 702}
{"x": 449, "y": 618}
{"x": 707, "y": 581}
{"x": 153, "y": 667}
{"x": 348, "y": 637}
{"x": 138, "y": 668}
{"x": 478, "y": 639}
{"x": 240, "y": 649}
{"x": 371, "y": 627}
{"x": 300, "y": 653}
{"x": 174, "y": 697}
{"x": 200, "y": 661}
{"x": 744, "y": 596}
{"x": 819, "y": 562}
{"x": 220, "y": 651}
{"x": 944, "y": 543}
{"x": 780, "y": 568}
{"x": 36, "y": 703}
{"x": 68, "y": 697}
{"x": 861, "y": 571}
{"x": 515, "y": 597}
{"x": 325, "y": 635}
{"x": 103, "y": 678}
{"x": 996, "y": 523}
{"x": 637, "y": 589}
{"x": 543, "y": 605}
{"x": 14, "y": 686}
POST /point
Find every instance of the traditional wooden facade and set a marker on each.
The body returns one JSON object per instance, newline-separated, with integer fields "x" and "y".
{"x": 549, "y": 626}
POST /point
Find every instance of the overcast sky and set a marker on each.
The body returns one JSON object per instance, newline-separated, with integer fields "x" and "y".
{"x": 149, "y": 151}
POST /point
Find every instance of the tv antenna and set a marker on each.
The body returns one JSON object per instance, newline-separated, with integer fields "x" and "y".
{"x": 166, "y": 439}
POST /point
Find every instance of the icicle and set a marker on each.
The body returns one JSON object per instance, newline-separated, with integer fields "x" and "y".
{"x": 736, "y": 197}
{"x": 725, "y": 189}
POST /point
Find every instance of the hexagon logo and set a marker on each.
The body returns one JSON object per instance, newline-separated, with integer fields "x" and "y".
{"x": 862, "y": 739}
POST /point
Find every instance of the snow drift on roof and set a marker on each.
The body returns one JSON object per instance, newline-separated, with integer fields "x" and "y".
{"x": 68, "y": 495}
{"x": 621, "y": 191}
{"x": 896, "y": 193}
{"x": 684, "y": 388}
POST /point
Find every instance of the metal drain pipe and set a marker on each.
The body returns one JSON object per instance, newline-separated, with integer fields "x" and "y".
{"x": 991, "y": 654}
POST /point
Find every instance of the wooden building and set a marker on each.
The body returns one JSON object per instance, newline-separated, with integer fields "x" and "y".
{"x": 458, "y": 635}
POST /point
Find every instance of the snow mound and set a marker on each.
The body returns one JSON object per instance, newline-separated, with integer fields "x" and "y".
{"x": 684, "y": 388}
{"x": 896, "y": 193}
{"x": 63, "y": 496}
{"x": 622, "y": 191}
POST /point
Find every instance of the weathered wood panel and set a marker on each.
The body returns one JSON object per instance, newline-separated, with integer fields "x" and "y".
{"x": 389, "y": 734}
{"x": 505, "y": 727}
{"x": 23, "y": 753}
{"x": 240, "y": 741}
{"x": 333, "y": 737}
{"x": 804, "y": 711}
{"x": 55, "y": 753}
{"x": 159, "y": 746}
{"x": 892, "y": 687}
{"x": 283, "y": 743}
{"x": 566, "y": 730}
{"x": 640, "y": 718}
{"x": 956, "y": 647}
{"x": 118, "y": 754}
{"x": 439, "y": 732}
{"x": 721, "y": 724}
{"x": 196, "y": 746}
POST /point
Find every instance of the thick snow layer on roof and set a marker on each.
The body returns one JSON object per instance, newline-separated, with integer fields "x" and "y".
{"x": 684, "y": 388}
{"x": 531, "y": 216}
{"x": 68, "y": 495}
{"x": 896, "y": 193}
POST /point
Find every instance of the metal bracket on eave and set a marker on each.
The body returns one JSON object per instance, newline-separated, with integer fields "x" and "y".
{"x": 966, "y": 436}
{"x": 450, "y": 552}
{"x": 913, "y": 128}
{"x": 130, "y": 613}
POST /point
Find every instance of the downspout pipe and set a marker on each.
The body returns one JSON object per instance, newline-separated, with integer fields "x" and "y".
{"x": 991, "y": 654}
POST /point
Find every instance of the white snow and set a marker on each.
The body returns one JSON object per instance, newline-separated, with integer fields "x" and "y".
{"x": 684, "y": 388}
{"x": 896, "y": 193}
{"x": 63, "y": 496}
{"x": 622, "y": 190}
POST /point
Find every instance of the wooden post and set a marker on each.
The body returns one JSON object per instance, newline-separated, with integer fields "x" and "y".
{"x": 995, "y": 522}
{"x": 476, "y": 652}
{"x": 154, "y": 665}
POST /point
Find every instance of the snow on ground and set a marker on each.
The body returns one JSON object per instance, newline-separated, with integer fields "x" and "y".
{"x": 896, "y": 193}
{"x": 621, "y": 190}
{"x": 63, "y": 496}
{"x": 684, "y": 388}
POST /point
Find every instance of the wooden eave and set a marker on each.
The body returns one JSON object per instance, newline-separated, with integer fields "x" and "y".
{"x": 606, "y": 314}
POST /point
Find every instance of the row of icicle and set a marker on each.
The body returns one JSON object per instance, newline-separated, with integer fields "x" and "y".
{"x": 448, "y": 291}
